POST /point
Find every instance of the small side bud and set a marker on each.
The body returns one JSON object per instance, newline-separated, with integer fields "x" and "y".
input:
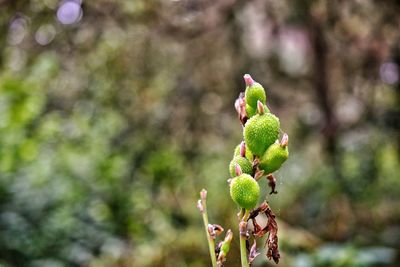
{"x": 200, "y": 206}
{"x": 214, "y": 230}
{"x": 211, "y": 231}
{"x": 218, "y": 229}
{"x": 238, "y": 170}
{"x": 248, "y": 80}
{"x": 225, "y": 247}
{"x": 285, "y": 140}
{"x": 228, "y": 236}
{"x": 260, "y": 107}
{"x": 202, "y": 201}
{"x": 240, "y": 106}
{"x": 227, "y": 242}
{"x": 243, "y": 149}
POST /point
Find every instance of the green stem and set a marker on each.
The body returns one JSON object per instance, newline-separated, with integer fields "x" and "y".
{"x": 243, "y": 238}
{"x": 211, "y": 244}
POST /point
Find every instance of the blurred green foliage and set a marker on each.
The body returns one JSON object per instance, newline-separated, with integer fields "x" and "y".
{"x": 114, "y": 114}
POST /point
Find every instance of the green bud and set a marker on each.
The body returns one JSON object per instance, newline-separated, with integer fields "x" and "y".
{"x": 226, "y": 245}
{"x": 245, "y": 191}
{"x": 254, "y": 92}
{"x": 224, "y": 248}
{"x": 260, "y": 132}
{"x": 244, "y": 164}
{"x": 273, "y": 158}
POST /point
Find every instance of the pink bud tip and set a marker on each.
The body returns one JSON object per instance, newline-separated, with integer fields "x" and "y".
{"x": 238, "y": 170}
{"x": 200, "y": 205}
{"x": 285, "y": 140}
{"x": 243, "y": 149}
{"x": 260, "y": 107}
{"x": 203, "y": 194}
{"x": 248, "y": 80}
{"x": 228, "y": 236}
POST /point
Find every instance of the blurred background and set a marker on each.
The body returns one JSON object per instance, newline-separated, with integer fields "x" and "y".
{"x": 115, "y": 114}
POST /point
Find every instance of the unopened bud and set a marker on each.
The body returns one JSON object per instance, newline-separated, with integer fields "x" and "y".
{"x": 285, "y": 140}
{"x": 227, "y": 242}
{"x": 200, "y": 206}
{"x": 243, "y": 149}
{"x": 211, "y": 231}
{"x": 226, "y": 245}
{"x": 228, "y": 236}
{"x": 238, "y": 170}
{"x": 248, "y": 80}
{"x": 203, "y": 194}
{"x": 214, "y": 230}
{"x": 260, "y": 107}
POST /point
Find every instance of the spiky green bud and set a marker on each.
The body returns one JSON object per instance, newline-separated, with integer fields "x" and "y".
{"x": 254, "y": 92}
{"x": 273, "y": 158}
{"x": 260, "y": 132}
{"x": 245, "y": 191}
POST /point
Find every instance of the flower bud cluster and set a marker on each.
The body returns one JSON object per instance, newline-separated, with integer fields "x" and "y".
{"x": 261, "y": 152}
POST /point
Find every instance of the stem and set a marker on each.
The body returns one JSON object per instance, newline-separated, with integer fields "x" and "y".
{"x": 211, "y": 244}
{"x": 243, "y": 238}
{"x": 246, "y": 216}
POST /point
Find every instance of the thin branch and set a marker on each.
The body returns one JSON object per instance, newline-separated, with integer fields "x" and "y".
{"x": 202, "y": 206}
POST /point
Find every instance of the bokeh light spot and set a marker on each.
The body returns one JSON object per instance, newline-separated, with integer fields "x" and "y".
{"x": 18, "y": 29}
{"x": 69, "y": 12}
{"x": 45, "y": 34}
{"x": 389, "y": 72}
